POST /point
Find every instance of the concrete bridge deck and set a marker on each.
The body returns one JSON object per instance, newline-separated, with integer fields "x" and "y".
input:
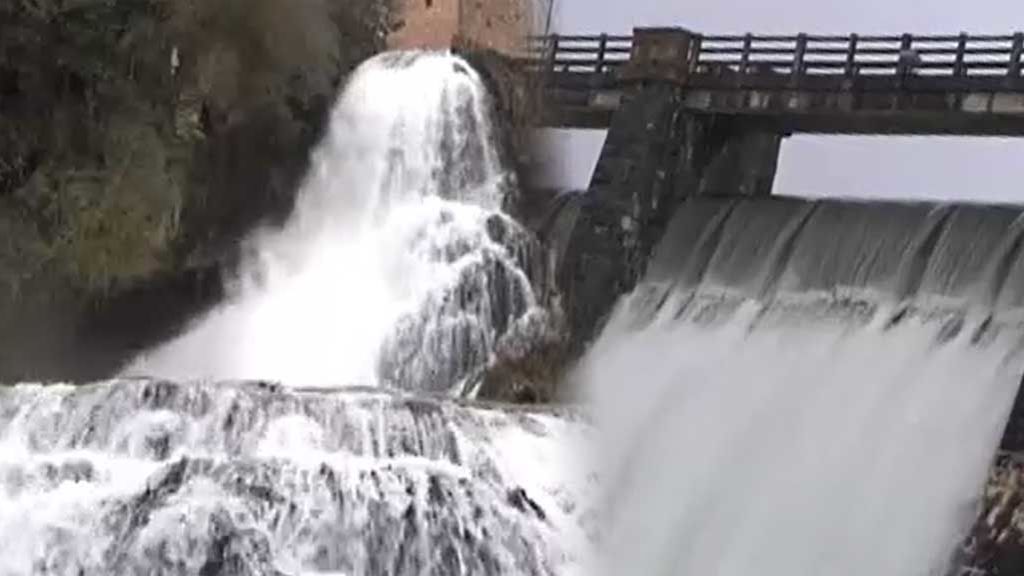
{"x": 955, "y": 84}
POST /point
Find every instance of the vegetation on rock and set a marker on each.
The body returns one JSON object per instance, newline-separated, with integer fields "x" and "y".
{"x": 141, "y": 138}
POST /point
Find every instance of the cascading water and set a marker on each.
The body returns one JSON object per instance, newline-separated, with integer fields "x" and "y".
{"x": 148, "y": 477}
{"x": 775, "y": 440}
{"x": 398, "y": 270}
{"x": 398, "y": 265}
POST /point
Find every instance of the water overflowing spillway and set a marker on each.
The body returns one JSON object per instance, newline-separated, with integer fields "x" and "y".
{"x": 927, "y": 257}
{"x": 398, "y": 273}
{"x": 796, "y": 449}
{"x": 824, "y": 388}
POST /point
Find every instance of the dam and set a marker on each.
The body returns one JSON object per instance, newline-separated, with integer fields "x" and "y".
{"x": 690, "y": 114}
{"x": 679, "y": 258}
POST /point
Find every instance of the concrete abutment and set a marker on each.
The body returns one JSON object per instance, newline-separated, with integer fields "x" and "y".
{"x": 656, "y": 154}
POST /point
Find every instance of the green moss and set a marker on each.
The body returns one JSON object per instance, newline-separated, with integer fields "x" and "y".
{"x": 23, "y": 253}
{"x": 136, "y": 132}
{"x": 114, "y": 224}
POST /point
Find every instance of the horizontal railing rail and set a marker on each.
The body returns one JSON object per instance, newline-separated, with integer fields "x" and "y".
{"x": 582, "y": 54}
{"x": 851, "y": 56}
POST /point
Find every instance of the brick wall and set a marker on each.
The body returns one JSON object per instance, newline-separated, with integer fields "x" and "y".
{"x": 428, "y": 24}
{"x": 437, "y": 24}
{"x": 497, "y": 24}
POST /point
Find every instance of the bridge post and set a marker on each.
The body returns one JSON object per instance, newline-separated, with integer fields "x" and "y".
{"x": 659, "y": 54}
{"x": 552, "y": 55}
{"x": 1015, "y": 55}
{"x": 851, "y": 57}
{"x": 961, "y": 49}
{"x": 798, "y": 60}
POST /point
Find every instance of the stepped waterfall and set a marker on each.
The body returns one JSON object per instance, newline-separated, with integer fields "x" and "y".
{"x": 320, "y": 420}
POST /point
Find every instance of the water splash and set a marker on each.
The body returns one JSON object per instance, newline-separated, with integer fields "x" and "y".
{"x": 397, "y": 267}
{"x": 800, "y": 448}
{"x": 150, "y": 477}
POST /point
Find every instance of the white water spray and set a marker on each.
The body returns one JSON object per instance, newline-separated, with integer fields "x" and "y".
{"x": 794, "y": 450}
{"x": 397, "y": 263}
{"x": 397, "y": 268}
{"x": 144, "y": 477}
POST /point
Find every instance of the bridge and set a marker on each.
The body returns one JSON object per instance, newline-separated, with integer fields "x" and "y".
{"x": 695, "y": 124}
{"x": 904, "y": 84}
{"x": 693, "y": 115}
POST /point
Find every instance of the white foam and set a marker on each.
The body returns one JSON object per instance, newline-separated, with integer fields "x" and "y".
{"x": 394, "y": 208}
{"x": 795, "y": 451}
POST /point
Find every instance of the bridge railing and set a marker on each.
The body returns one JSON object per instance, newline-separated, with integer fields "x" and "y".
{"x": 956, "y": 56}
{"x": 599, "y": 54}
{"x": 851, "y": 56}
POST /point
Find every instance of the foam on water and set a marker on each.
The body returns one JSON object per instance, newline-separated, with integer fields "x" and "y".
{"x": 397, "y": 266}
{"x": 149, "y": 477}
{"x": 795, "y": 449}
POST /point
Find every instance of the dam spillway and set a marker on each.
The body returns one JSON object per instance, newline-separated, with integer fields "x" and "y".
{"x": 927, "y": 257}
{"x": 826, "y": 384}
{"x": 799, "y": 447}
{"x": 809, "y": 365}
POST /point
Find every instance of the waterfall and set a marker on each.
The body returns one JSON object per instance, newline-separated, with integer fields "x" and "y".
{"x": 153, "y": 477}
{"x": 317, "y": 422}
{"x": 795, "y": 447}
{"x": 807, "y": 387}
{"x": 398, "y": 266}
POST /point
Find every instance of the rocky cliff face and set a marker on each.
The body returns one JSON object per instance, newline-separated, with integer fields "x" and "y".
{"x": 138, "y": 142}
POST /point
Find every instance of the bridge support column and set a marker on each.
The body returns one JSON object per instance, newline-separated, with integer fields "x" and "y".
{"x": 661, "y": 54}
{"x": 655, "y": 155}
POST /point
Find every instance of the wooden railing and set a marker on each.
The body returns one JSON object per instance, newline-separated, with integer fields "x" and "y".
{"x": 581, "y": 54}
{"x": 955, "y": 56}
{"x": 854, "y": 55}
